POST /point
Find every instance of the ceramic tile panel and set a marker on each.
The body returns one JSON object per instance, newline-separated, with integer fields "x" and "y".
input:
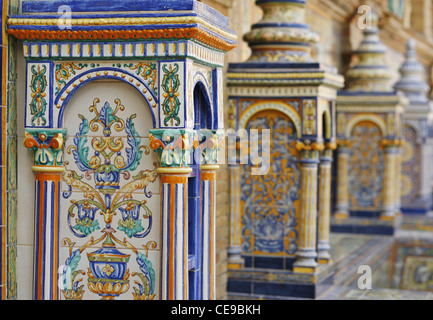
{"x": 99, "y": 148}
{"x": 39, "y": 95}
{"x": 411, "y": 166}
{"x": 135, "y": 219}
{"x": 109, "y": 185}
{"x": 131, "y": 276}
{"x": 119, "y": 97}
{"x": 366, "y": 167}
{"x": 270, "y": 203}
{"x": 172, "y": 94}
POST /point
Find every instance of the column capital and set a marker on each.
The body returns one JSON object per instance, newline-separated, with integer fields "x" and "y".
{"x": 326, "y": 154}
{"x": 331, "y": 145}
{"x": 209, "y": 167}
{"x": 174, "y": 146}
{"x": 344, "y": 143}
{"x": 308, "y": 145}
{"x": 174, "y": 171}
{"x": 309, "y": 151}
{"x": 47, "y": 146}
{"x": 392, "y": 143}
{"x": 210, "y": 143}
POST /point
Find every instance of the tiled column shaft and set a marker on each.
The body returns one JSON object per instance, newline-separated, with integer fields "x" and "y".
{"x": 174, "y": 147}
{"x": 174, "y": 233}
{"x": 342, "y": 205}
{"x": 324, "y": 213}
{"x": 48, "y": 166}
{"x": 208, "y": 182}
{"x": 234, "y": 259}
{"x": 390, "y": 203}
{"x": 306, "y": 254}
{"x": 46, "y": 252}
{"x": 398, "y": 181}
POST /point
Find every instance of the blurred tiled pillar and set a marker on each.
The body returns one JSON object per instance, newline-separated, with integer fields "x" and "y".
{"x": 390, "y": 183}
{"x": 324, "y": 204}
{"x": 415, "y": 155}
{"x": 369, "y": 133}
{"x": 307, "y": 248}
{"x": 342, "y": 205}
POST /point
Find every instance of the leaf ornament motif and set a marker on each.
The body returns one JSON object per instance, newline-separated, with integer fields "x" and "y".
{"x": 171, "y": 103}
{"x": 108, "y": 183}
{"x": 38, "y": 105}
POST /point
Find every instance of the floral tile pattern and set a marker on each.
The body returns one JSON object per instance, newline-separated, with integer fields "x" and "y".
{"x": 109, "y": 228}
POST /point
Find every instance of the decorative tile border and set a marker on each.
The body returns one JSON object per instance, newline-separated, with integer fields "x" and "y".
{"x": 163, "y": 84}
{"x": 110, "y": 50}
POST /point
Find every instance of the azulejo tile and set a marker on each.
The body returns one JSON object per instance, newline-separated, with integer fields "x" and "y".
{"x": 135, "y": 220}
{"x": 94, "y": 102}
{"x": 94, "y": 274}
{"x": 110, "y": 202}
{"x": 111, "y": 161}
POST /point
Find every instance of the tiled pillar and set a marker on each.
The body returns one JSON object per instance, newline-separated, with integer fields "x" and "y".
{"x": 426, "y": 177}
{"x": 398, "y": 182}
{"x": 306, "y": 254}
{"x": 194, "y": 237}
{"x": 208, "y": 191}
{"x": 390, "y": 203}
{"x": 209, "y": 146}
{"x": 174, "y": 232}
{"x": 324, "y": 213}
{"x": 46, "y": 145}
{"x": 174, "y": 147}
{"x": 418, "y": 116}
{"x": 342, "y": 205}
{"x": 234, "y": 258}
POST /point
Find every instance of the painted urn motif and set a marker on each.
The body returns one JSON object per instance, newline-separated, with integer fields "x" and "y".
{"x": 108, "y": 273}
{"x": 107, "y": 179}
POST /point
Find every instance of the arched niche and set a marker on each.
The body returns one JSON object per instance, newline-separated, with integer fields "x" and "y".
{"x": 284, "y": 108}
{"x": 110, "y": 183}
{"x": 366, "y": 164}
{"x": 326, "y": 123}
{"x": 270, "y": 204}
{"x": 375, "y": 119}
{"x": 79, "y": 75}
{"x": 204, "y": 117}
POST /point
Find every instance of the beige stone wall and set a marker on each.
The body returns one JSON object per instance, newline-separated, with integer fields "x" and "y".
{"x": 330, "y": 30}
